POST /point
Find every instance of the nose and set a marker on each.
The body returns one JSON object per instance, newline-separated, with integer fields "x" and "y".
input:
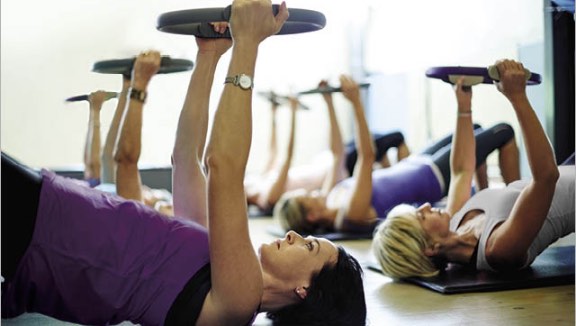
{"x": 426, "y": 207}
{"x": 291, "y": 236}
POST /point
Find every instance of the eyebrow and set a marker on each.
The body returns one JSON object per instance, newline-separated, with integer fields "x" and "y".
{"x": 318, "y": 244}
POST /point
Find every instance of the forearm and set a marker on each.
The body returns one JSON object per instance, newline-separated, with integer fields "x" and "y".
{"x": 229, "y": 143}
{"x": 278, "y": 186}
{"x": 364, "y": 143}
{"x": 92, "y": 160}
{"x": 272, "y": 146}
{"x": 108, "y": 163}
{"x": 336, "y": 143}
{"x": 196, "y": 107}
{"x": 539, "y": 151}
{"x": 463, "y": 154}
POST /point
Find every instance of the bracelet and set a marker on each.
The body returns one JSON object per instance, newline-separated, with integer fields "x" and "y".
{"x": 464, "y": 114}
{"x": 137, "y": 95}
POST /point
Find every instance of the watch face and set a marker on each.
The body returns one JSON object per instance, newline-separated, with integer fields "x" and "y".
{"x": 245, "y": 82}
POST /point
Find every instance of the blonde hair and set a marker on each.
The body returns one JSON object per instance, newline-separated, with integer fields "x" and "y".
{"x": 290, "y": 214}
{"x": 399, "y": 243}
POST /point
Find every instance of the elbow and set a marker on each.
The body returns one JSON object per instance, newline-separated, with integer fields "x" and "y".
{"x": 223, "y": 163}
{"x": 547, "y": 176}
{"x": 126, "y": 155}
{"x": 505, "y": 258}
{"x": 553, "y": 176}
{"x": 370, "y": 155}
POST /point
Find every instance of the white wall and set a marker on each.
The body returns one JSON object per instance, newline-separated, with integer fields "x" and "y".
{"x": 49, "y": 47}
{"x": 407, "y": 38}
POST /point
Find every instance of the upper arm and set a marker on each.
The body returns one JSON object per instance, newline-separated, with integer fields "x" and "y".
{"x": 236, "y": 274}
{"x": 128, "y": 183}
{"x": 509, "y": 243}
{"x": 458, "y": 191}
{"x": 334, "y": 173}
{"x": 361, "y": 198}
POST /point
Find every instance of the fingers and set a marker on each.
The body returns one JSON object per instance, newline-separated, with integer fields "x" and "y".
{"x": 220, "y": 27}
{"x": 147, "y": 64}
{"x": 100, "y": 96}
{"x": 512, "y": 78}
{"x": 252, "y": 21}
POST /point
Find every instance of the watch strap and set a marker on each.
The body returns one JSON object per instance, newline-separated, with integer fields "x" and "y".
{"x": 138, "y": 95}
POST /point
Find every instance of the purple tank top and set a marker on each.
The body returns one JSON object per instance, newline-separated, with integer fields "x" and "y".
{"x": 410, "y": 181}
{"x": 98, "y": 259}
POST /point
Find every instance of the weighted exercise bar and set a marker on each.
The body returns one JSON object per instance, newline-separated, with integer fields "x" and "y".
{"x": 197, "y": 21}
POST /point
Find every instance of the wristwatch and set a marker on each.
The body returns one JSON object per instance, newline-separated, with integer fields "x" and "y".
{"x": 138, "y": 95}
{"x": 242, "y": 80}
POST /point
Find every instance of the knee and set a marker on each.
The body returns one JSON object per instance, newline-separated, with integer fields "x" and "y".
{"x": 504, "y": 132}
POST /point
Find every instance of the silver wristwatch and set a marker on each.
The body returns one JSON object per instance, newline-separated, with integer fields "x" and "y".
{"x": 242, "y": 80}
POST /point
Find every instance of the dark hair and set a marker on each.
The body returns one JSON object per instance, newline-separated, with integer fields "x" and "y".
{"x": 335, "y": 297}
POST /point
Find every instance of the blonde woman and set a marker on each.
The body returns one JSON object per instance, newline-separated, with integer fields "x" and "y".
{"x": 498, "y": 229}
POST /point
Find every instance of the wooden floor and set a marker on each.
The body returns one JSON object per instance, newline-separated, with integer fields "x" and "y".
{"x": 391, "y": 303}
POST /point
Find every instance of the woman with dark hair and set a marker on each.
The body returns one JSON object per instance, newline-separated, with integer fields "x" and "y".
{"x": 89, "y": 257}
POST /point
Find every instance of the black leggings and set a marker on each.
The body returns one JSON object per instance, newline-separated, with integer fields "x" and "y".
{"x": 487, "y": 141}
{"x": 383, "y": 143}
{"x": 20, "y": 184}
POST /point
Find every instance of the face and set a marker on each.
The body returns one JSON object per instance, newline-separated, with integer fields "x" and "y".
{"x": 434, "y": 221}
{"x": 314, "y": 206}
{"x": 295, "y": 258}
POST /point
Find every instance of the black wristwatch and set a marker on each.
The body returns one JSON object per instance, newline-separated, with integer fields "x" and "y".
{"x": 138, "y": 95}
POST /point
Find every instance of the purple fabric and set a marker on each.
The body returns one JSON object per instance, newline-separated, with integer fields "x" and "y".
{"x": 408, "y": 181}
{"x": 98, "y": 259}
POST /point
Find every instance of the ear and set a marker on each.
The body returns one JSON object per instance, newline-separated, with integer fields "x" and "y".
{"x": 301, "y": 292}
{"x": 433, "y": 250}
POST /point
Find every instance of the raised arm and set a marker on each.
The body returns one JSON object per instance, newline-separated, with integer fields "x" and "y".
{"x": 93, "y": 146}
{"x": 276, "y": 188}
{"x": 463, "y": 154}
{"x": 188, "y": 174}
{"x": 360, "y": 201}
{"x": 273, "y": 145}
{"x": 129, "y": 144}
{"x": 235, "y": 271}
{"x": 108, "y": 163}
{"x": 508, "y": 244}
{"x": 336, "y": 144}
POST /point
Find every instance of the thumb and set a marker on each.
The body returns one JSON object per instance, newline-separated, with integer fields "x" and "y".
{"x": 282, "y": 16}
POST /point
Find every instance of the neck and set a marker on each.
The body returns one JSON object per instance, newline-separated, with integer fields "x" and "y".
{"x": 276, "y": 295}
{"x": 460, "y": 247}
{"x": 329, "y": 216}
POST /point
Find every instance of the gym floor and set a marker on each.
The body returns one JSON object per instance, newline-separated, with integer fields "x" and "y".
{"x": 392, "y": 303}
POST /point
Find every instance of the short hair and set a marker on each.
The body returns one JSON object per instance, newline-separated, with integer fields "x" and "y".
{"x": 291, "y": 215}
{"x": 398, "y": 244}
{"x": 335, "y": 297}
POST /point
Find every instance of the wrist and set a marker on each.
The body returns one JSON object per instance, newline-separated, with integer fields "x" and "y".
{"x": 137, "y": 94}
{"x": 519, "y": 99}
{"x": 139, "y": 84}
